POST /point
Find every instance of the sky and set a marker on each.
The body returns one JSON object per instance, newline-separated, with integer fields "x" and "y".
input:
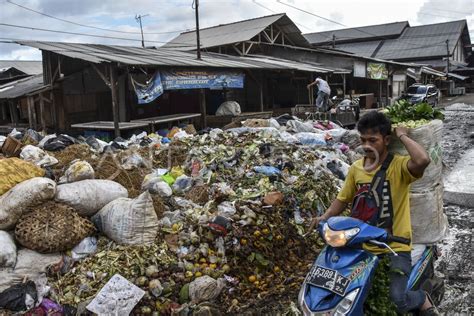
{"x": 165, "y": 19}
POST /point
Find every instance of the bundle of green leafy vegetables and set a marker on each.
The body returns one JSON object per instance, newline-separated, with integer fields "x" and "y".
{"x": 404, "y": 111}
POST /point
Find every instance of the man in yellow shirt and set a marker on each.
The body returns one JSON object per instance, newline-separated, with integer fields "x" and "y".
{"x": 394, "y": 215}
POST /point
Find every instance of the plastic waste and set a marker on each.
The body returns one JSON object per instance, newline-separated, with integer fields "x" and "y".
{"x": 229, "y": 108}
{"x": 85, "y": 248}
{"x": 19, "y": 297}
{"x": 267, "y": 170}
{"x": 45, "y": 139}
{"x": 37, "y": 156}
{"x": 182, "y": 184}
{"x": 311, "y": 139}
{"x": 226, "y": 209}
{"x": 58, "y": 143}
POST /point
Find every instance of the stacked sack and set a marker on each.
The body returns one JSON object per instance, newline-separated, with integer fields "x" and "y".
{"x": 428, "y": 221}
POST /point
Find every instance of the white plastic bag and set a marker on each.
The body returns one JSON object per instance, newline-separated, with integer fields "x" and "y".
{"x": 77, "y": 171}
{"x": 205, "y": 288}
{"x": 18, "y": 199}
{"x": 89, "y": 196}
{"x": 156, "y": 185}
{"x": 311, "y": 139}
{"x": 300, "y": 127}
{"x": 2, "y": 140}
{"x": 86, "y": 247}
{"x": 226, "y": 209}
{"x": 37, "y": 156}
{"x": 228, "y": 108}
{"x": 7, "y": 250}
{"x": 129, "y": 221}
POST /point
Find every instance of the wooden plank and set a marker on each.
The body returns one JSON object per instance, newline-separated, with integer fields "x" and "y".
{"x": 202, "y": 105}
{"x": 43, "y": 115}
{"x": 30, "y": 103}
{"x": 101, "y": 75}
{"x": 168, "y": 118}
{"x": 115, "y": 105}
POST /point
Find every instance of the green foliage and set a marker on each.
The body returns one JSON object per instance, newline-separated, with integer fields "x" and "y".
{"x": 378, "y": 301}
{"x": 402, "y": 111}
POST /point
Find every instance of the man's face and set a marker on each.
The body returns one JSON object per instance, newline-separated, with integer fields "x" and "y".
{"x": 374, "y": 144}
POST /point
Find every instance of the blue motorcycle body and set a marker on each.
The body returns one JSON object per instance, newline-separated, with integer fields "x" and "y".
{"x": 340, "y": 278}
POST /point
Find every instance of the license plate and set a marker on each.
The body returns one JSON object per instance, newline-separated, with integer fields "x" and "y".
{"x": 328, "y": 279}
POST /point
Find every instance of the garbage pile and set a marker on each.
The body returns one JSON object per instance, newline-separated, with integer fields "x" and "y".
{"x": 193, "y": 223}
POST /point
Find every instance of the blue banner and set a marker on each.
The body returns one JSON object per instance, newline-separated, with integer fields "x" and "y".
{"x": 148, "y": 92}
{"x": 195, "y": 79}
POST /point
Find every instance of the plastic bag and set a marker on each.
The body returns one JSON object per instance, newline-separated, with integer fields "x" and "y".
{"x": 24, "y": 195}
{"x": 229, "y": 108}
{"x": 58, "y": 143}
{"x": 19, "y": 297}
{"x": 77, "y": 171}
{"x": 226, "y": 209}
{"x": 129, "y": 221}
{"x": 14, "y": 171}
{"x": 45, "y": 139}
{"x": 2, "y": 140}
{"x": 134, "y": 161}
{"x": 89, "y": 196}
{"x": 182, "y": 184}
{"x": 37, "y": 156}
{"x": 267, "y": 170}
{"x": 86, "y": 247}
{"x": 299, "y": 127}
{"x": 7, "y": 250}
{"x": 311, "y": 139}
{"x": 205, "y": 288}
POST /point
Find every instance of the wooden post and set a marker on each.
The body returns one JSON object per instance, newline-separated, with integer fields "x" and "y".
{"x": 344, "y": 85}
{"x": 202, "y": 105}
{"x": 4, "y": 112}
{"x": 13, "y": 113}
{"x": 53, "y": 101}
{"x": 380, "y": 93}
{"x": 387, "y": 97}
{"x": 43, "y": 118}
{"x": 261, "y": 96}
{"x": 30, "y": 103}
{"x": 115, "y": 105}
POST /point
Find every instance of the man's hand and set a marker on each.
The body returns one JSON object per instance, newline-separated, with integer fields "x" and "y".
{"x": 315, "y": 223}
{"x": 401, "y": 130}
{"x": 309, "y": 86}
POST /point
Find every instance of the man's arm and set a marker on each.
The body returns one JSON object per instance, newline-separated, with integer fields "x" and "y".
{"x": 312, "y": 83}
{"x": 419, "y": 158}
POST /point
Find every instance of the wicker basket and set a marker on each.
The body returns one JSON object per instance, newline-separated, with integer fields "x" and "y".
{"x": 52, "y": 227}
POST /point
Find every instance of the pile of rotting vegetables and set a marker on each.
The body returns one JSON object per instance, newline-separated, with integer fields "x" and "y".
{"x": 241, "y": 204}
{"x": 262, "y": 254}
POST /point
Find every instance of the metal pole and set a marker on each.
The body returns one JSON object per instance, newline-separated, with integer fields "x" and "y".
{"x": 139, "y": 20}
{"x": 198, "y": 42}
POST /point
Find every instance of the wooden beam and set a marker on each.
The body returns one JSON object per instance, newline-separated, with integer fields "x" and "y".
{"x": 42, "y": 114}
{"x": 237, "y": 50}
{"x": 53, "y": 101}
{"x": 264, "y": 32}
{"x": 4, "y": 111}
{"x": 202, "y": 106}
{"x": 13, "y": 113}
{"x": 115, "y": 103}
{"x": 101, "y": 75}
{"x": 248, "y": 49}
{"x": 45, "y": 99}
{"x": 30, "y": 104}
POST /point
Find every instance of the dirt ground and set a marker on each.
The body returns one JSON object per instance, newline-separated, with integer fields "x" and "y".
{"x": 456, "y": 262}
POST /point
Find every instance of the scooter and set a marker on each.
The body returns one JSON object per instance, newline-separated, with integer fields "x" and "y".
{"x": 340, "y": 278}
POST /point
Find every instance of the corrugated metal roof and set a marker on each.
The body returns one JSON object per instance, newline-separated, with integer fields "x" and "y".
{"x": 358, "y": 33}
{"x": 423, "y": 41}
{"x": 29, "y": 67}
{"x": 236, "y": 32}
{"x": 168, "y": 57}
{"x": 146, "y": 56}
{"x": 21, "y": 87}
{"x": 361, "y": 48}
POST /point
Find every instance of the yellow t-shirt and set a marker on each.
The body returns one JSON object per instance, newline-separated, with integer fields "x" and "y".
{"x": 397, "y": 181}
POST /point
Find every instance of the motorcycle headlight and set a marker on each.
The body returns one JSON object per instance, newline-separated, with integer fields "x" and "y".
{"x": 344, "y": 307}
{"x": 338, "y": 238}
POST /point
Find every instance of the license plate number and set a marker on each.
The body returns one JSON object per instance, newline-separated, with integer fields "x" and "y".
{"x": 328, "y": 279}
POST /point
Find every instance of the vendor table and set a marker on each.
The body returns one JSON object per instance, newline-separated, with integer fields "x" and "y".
{"x": 109, "y": 125}
{"x": 152, "y": 121}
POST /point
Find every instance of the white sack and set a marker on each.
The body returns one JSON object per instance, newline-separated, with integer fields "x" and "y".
{"x": 129, "y": 221}
{"x": 7, "y": 250}
{"x": 429, "y": 136}
{"x": 18, "y": 199}
{"x": 89, "y": 196}
{"x": 37, "y": 156}
{"x": 429, "y": 223}
{"x": 228, "y": 108}
{"x": 300, "y": 127}
{"x": 30, "y": 264}
{"x": 77, "y": 171}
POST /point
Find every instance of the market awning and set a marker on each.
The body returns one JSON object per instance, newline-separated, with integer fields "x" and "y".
{"x": 456, "y": 76}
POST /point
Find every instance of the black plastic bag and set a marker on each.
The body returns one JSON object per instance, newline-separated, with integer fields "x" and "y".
{"x": 58, "y": 143}
{"x": 19, "y": 297}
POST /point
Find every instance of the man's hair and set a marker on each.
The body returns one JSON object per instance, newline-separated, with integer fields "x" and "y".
{"x": 376, "y": 122}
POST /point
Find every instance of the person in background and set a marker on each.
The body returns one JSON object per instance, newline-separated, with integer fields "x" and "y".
{"x": 324, "y": 91}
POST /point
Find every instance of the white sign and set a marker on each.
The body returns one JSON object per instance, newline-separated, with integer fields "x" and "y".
{"x": 118, "y": 297}
{"x": 359, "y": 69}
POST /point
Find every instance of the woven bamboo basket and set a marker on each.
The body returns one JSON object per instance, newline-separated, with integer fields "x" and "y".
{"x": 52, "y": 227}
